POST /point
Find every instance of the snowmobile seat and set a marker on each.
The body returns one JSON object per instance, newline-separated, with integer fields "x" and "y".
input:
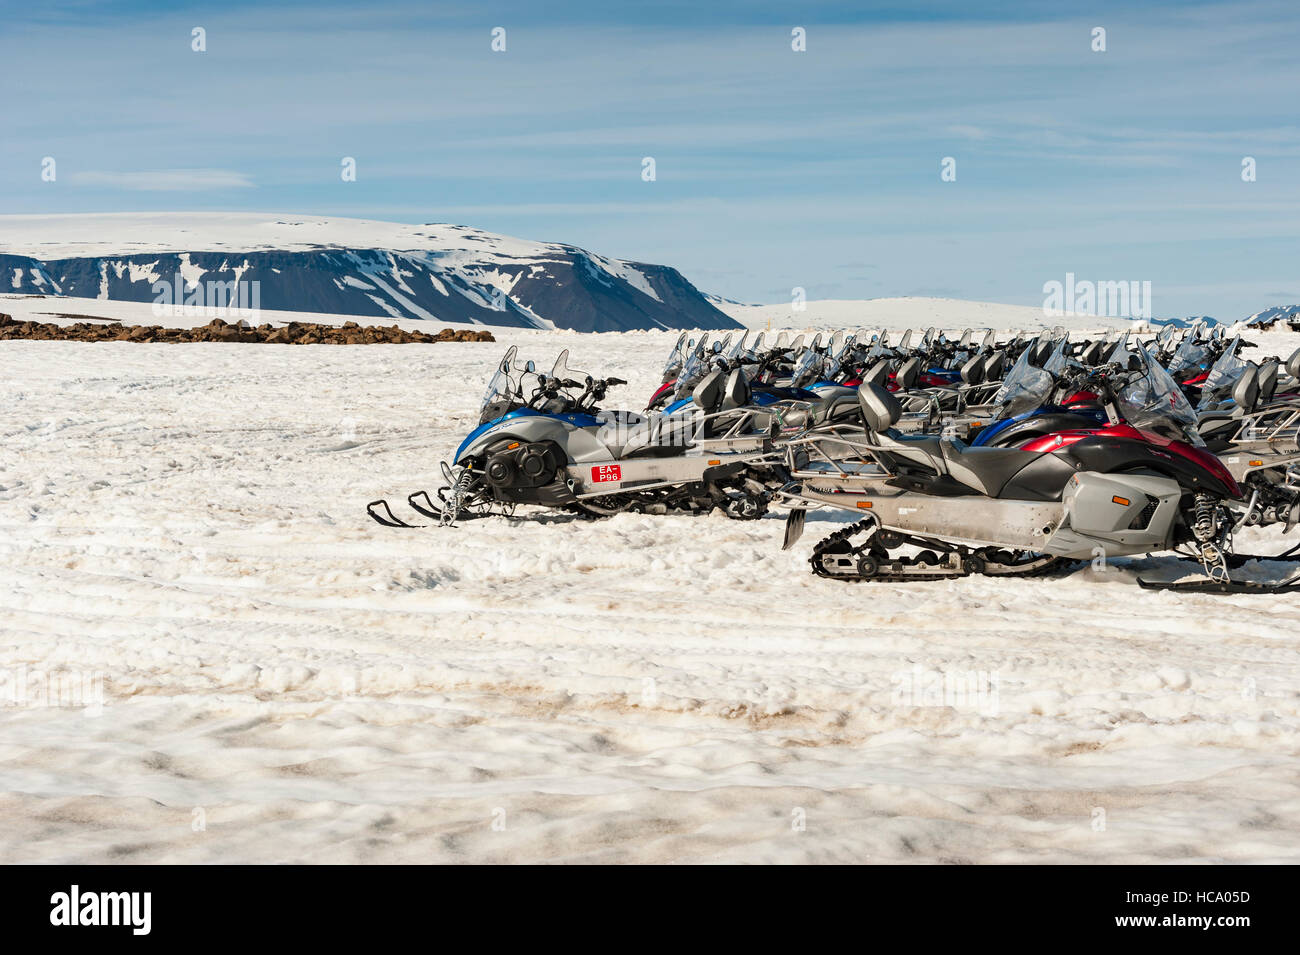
{"x": 1091, "y": 353}
{"x": 736, "y": 392}
{"x": 995, "y": 366}
{"x": 907, "y": 374}
{"x": 709, "y": 392}
{"x": 880, "y": 409}
{"x": 972, "y": 372}
{"x": 1267, "y": 378}
{"x": 1293, "y": 365}
{"x": 987, "y": 470}
{"x": 837, "y": 410}
{"x": 877, "y": 374}
{"x": 1245, "y": 393}
{"x": 1217, "y": 432}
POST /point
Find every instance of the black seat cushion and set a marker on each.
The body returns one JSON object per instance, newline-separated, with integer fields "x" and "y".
{"x": 985, "y": 469}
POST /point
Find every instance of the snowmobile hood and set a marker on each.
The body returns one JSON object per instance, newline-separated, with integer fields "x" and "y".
{"x": 576, "y": 420}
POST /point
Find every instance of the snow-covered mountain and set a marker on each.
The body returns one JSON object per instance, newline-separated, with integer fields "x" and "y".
{"x": 358, "y": 267}
{"x": 1285, "y": 313}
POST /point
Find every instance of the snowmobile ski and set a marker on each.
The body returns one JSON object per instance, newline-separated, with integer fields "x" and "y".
{"x": 381, "y": 513}
{"x": 1208, "y": 585}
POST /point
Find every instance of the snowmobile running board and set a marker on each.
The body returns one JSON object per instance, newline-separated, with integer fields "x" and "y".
{"x": 1209, "y": 586}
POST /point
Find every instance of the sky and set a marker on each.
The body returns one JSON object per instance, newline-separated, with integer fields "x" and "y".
{"x": 774, "y": 169}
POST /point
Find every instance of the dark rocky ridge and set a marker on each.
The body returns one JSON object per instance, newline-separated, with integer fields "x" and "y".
{"x": 218, "y": 330}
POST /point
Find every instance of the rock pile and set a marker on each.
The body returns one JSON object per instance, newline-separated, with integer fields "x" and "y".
{"x": 217, "y": 330}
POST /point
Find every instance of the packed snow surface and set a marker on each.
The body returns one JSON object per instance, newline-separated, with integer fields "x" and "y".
{"x": 283, "y": 680}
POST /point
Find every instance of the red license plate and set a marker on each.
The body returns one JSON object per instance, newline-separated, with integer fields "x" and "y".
{"x": 606, "y": 472}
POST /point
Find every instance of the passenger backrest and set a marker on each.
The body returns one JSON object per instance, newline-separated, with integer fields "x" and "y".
{"x": 995, "y": 366}
{"x": 736, "y": 392}
{"x": 1246, "y": 392}
{"x": 708, "y": 393}
{"x": 880, "y": 409}
{"x": 907, "y": 374}
{"x": 878, "y": 374}
{"x": 973, "y": 371}
{"x": 1091, "y": 353}
{"x": 1267, "y": 379}
{"x": 1293, "y": 364}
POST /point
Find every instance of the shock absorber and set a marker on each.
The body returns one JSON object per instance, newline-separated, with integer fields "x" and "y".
{"x": 1206, "y": 529}
{"x": 1206, "y": 525}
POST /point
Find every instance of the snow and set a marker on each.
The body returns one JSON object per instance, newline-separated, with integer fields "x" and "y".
{"x": 66, "y": 310}
{"x": 908, "y": 312}
{"x": 285, "y": 681}
{"x": 133, "y": 233}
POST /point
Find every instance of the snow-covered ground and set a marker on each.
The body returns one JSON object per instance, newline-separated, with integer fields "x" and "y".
{"x": 283, "y": 680}
{"x": 919, "y": 312}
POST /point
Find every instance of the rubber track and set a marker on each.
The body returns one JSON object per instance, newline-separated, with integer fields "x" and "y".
{"x": 1051, "y": 567}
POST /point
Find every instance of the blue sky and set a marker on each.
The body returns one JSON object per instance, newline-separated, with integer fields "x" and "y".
{"x": 775, "y": 169}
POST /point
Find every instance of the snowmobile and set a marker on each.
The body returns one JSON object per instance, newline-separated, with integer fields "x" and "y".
{"x": 544, "y": 439}
{"x": 1140, "y": 484}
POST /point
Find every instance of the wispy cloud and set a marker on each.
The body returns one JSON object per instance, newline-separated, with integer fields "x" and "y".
{"x": 164, "y": 180}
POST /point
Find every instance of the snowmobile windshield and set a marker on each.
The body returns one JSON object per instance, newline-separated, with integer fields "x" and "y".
{"x": 1059, "y": 362}
{"x": 564, "y": 372}
{"x": 736, "y": 353}
{"x": 1152, "y": 400}
{"x": 837, "y": 343}
{"x": 1025, "y": 388}
{"x": 808, "y": 368}
{"x": 676, "y": 358}
{"x": 1223, "y": 374}
{"x": 1190, "y": 354}
{"x": 693, "y": 372}
{"x": 503, "y": 387}
{"x": 1227, "y": 368}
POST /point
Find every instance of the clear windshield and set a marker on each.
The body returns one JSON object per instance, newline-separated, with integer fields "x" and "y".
{"x": 905, "y": 341}
{"x": 676, "y": 358}
{"x": 1026, "y": 387}
{"x": 1059, "y": 361}
{"x": 808, "y": 369}
{"x": 1190, "y": 354}
{"x": 1223, "y": 374}
{"x": 1153, "y": 400}
{"x": 693, "y": 372}
{"x": 564, "y": 372}
{"x": 503, "y": 385}
{"x": 837, "y": 343}
{"x": 736, "y": 353}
